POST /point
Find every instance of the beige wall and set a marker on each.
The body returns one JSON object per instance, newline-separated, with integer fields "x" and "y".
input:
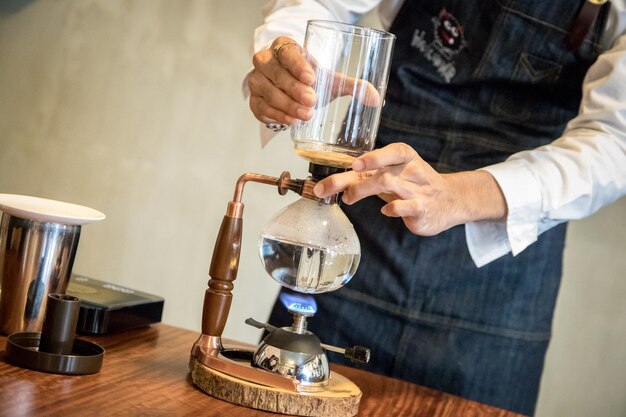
{"x": 134, "y": 108}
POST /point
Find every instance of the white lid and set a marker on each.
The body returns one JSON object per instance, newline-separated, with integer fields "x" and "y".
{"x": 50, "y": 211}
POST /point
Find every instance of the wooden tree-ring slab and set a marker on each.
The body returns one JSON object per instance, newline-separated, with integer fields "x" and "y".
{"x": 340, "y": 399}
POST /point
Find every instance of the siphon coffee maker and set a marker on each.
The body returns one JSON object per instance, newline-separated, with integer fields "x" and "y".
{"x": 309, "y": 246}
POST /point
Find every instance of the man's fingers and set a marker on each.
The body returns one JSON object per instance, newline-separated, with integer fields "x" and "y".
{"x": 358, "y": 185}
{"x": 363, "y": 91}
{"x": 401, "y": 208}
{"x": 265, "y": 65}
{"x": 341, "y": 85}
{"x": 277, "y": 98}
{"x": 289, "y": 56}
{"x": 264, "y": 112}
{"x": 393, "y": 154}
{"x": 384, "y": 183}
{"x": 387, "y": 197}
{"x": 277, "y": 80}
{"x": 335, "y": 183}
{"x": 285, "y": 79}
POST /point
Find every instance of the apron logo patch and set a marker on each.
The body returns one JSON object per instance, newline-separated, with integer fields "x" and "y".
{"x": 447, "y": 41}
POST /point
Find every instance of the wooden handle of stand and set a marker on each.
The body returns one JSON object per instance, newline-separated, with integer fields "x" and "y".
{"x": 223, "y": 272}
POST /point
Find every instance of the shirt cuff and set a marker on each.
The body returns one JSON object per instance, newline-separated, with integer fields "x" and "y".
{"x": 486, "y": 240}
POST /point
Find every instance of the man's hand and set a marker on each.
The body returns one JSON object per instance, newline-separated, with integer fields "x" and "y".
{"x": 281, "y": 83}
{"x": 427, "y": 201}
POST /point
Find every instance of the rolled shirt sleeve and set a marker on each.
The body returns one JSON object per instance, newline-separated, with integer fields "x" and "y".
{"x": 570, "y": 178}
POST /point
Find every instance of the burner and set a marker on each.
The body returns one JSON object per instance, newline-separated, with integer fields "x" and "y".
{"x": 294, "y": 351}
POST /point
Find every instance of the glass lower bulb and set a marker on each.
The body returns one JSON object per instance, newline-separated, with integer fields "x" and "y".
{"x": 310, "y": 247}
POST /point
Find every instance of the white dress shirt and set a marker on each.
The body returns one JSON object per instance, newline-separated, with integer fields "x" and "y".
{"x": 568, "y": 179}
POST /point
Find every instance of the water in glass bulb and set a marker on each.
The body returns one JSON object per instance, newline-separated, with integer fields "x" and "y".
{"x": 310, "y": 247}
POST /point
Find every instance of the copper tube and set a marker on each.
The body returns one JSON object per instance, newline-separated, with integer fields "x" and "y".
{"x": 284, "y": 183}
{"x": 234, "y": 210}
{"x": 235, "y": 207}
{"x": 250, "y": 176}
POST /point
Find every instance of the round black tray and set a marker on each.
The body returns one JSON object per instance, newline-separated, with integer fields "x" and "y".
{"x": 22, "y": 349}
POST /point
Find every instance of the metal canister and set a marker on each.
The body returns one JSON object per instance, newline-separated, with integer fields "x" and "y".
{"x": 36, "y": 259}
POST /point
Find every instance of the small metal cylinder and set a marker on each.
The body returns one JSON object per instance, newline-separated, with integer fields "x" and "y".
{"x": 299, "y": 323}
{"x": 59, "y": 325}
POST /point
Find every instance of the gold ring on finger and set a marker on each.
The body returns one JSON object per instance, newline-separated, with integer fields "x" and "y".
{"x": 276, "y": 49}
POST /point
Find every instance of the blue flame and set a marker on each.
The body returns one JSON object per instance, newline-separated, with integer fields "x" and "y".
{"x": 298, "y": 303}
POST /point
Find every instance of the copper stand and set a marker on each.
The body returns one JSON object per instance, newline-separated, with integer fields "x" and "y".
{"x": 223, "y": 271}
{"x": 237, "y": 381}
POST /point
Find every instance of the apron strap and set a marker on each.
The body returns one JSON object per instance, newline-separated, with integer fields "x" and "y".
{"x": 583, "y": 23}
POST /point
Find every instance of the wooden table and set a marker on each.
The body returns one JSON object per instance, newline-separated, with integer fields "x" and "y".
{"x": 145, "y": 373}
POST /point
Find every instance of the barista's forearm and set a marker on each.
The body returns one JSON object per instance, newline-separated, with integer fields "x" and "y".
{"x": 478, "y": 197}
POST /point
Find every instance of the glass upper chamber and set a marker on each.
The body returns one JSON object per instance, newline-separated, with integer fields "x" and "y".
{"x": 310, "y": 247}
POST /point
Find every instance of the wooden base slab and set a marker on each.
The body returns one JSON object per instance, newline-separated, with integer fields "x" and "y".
{"x": 340, "y": 399}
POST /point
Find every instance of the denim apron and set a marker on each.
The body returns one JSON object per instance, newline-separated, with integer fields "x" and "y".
{"x": 471, "y": 83}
